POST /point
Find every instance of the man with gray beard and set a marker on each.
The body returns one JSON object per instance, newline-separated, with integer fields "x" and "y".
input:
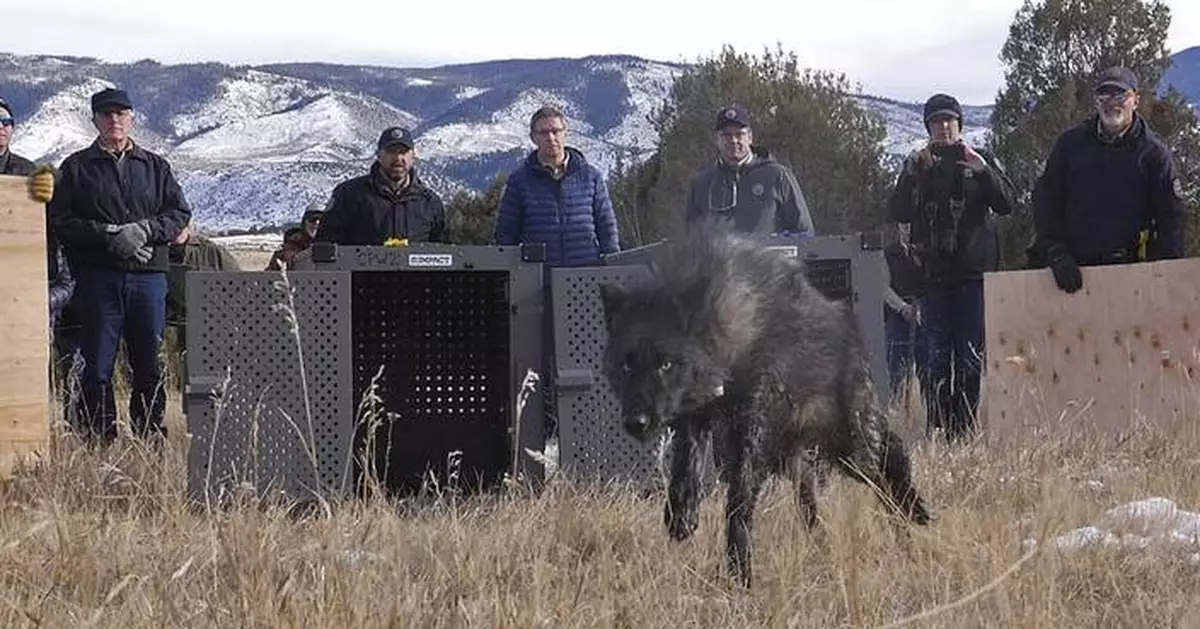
{"x": 1109, "y": 193}
{"x": 757, "y": 194}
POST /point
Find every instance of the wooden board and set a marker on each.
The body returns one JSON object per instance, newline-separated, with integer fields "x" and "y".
{"x": 24, "y": 326}
{"x": 1119, "y": 356}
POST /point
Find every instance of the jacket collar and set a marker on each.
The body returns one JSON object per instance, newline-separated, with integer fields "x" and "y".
{"x": 575, "y": 161}
{"x": 135, "y": 151}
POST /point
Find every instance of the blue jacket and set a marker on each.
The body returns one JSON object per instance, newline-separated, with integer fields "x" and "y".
{"x": 572, "y": 216}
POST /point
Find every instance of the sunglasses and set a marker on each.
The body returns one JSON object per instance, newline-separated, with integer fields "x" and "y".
{"x": 6, "y": 121}
{"x": 1112, "y": 96}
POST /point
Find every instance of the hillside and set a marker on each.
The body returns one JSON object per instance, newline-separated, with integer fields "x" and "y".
{"x": 255, "y": 146}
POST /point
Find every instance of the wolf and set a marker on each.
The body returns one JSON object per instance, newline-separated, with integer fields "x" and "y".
{"x": 729, "y": 340}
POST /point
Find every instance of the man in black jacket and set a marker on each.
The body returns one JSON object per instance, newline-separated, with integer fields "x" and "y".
{"x": 117, "y": 207}
{"x": 947, "y": 193}
{"x": 390, "y": 202}
{"x": 1108, "y": 181}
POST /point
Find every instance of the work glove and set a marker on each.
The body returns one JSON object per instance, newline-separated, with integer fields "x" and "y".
{"x": 1066, "y": 271}
{"x": 144, "y": 253}
{"x": 41, "y": 184}
{"x": 124, "y": 240}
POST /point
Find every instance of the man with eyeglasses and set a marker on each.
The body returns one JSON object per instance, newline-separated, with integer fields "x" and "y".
{"x": 555, "y": 197}
{"x": 1109, "y": 188}
{"x": 117, "y": 207}
{"x": 746, "y": 185}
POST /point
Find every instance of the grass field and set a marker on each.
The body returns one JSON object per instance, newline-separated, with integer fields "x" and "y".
{"x": 106, "y": 539}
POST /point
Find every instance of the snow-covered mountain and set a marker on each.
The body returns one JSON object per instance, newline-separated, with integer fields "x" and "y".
{"x": 255, "y": 146}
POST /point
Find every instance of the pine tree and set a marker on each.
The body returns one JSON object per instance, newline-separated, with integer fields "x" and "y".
{"x": 1054, "y": 50}
{"x": 471, "y": 217}
{"x": 809, "y": 120}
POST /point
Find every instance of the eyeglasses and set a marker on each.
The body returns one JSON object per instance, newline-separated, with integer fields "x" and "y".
{"x": 6, "y": 122}
{"x": 1112, "y": 96}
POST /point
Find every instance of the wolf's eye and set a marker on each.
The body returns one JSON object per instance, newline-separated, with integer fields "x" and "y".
{"x": 665, "y": 366}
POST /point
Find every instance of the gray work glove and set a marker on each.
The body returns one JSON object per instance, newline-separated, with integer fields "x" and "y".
{"x": 144, "y": 253}
{"x": 124, "y": 240}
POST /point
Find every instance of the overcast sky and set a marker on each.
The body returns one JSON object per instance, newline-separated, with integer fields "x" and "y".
{"x": 905, "y": 49}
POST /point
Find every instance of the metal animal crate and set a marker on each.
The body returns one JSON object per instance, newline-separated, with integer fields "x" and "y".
{"x": 592, "y": 443}
{"x": 430, "y": 341}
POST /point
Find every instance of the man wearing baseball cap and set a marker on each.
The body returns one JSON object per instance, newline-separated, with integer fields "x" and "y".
{"x": 388, "y": 203}
{"x": 117, "y": 207}
{"x": 757, "y": 194}
{"x": 1109, "y": 188}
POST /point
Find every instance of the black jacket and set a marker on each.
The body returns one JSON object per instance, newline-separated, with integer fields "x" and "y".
{"x": 1095, "y": 198}
{"x": 366, "y": 211}
{"x": 950, "y": 209}
{"x": 759, "y": 197}
{"x": 94, "y": 189}
{"x": 58, "y": 271}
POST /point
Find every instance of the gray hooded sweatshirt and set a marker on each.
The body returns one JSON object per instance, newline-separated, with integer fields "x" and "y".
{"x": 760, "y": 196}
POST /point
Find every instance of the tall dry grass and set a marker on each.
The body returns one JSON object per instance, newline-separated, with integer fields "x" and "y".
{"x": 106, "y": 539}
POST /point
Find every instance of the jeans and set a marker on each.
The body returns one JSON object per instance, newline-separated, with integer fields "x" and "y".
{"x": 115, "y": 304}
{"x": 954, "y": 349}
{"x": 905, "y": 349}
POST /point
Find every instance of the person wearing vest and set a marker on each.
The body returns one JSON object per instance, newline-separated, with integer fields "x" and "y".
{"x": 948, "y": 194}
{"x": 1109, "y": 193}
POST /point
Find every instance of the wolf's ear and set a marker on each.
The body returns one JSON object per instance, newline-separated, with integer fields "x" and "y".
{"x": 613, "y": 297}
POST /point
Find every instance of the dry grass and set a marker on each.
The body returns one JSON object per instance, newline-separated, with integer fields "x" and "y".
{"x": 106, "y": 539}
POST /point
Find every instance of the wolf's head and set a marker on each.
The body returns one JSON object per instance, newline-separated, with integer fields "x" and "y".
{"x": 658, "y": 367}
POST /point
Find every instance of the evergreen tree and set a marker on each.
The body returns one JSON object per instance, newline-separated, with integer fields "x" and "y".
{"x": 471, "y": 217}
{"x": 1054, "y": 50}
{"x": 809, "y": 120}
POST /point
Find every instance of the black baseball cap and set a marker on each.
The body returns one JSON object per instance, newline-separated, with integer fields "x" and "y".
{"x": 732, "y": 114}
{"x": 1120, "y": 77}
{"x": 109, "y": 99}
{"x": 395, "y": 136}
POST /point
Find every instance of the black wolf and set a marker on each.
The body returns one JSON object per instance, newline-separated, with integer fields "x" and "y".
{"x": 728, "y": 338}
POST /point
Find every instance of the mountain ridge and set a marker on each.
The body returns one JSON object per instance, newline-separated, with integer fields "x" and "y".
{"x": 255, "y": 145}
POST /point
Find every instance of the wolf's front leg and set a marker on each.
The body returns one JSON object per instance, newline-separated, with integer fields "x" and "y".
{"x": 682, "y": 512}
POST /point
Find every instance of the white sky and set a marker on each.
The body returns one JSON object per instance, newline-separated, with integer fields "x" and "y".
{"x": 904, "y": 49}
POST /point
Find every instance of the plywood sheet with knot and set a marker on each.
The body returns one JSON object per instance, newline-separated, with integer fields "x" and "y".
{"x": 24, "y": 326}
{"x": 1121, "y": 355}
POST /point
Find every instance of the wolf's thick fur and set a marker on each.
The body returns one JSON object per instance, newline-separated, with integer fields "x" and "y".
{"x": 730, "y": 339}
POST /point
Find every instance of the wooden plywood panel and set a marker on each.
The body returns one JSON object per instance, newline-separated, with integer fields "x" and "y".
{"x": 24, "y": 328}
{"x": 1120, "y": 355}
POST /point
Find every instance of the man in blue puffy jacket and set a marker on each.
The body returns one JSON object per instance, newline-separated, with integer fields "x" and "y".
{"x": 556, "y": 198}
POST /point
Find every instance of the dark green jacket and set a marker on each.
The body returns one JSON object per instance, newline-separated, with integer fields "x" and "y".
{"x": 199, "y": 254}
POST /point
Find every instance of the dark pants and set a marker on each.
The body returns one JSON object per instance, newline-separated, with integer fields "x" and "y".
{"x": 115, "y": 304}
{"x": 905, "y": 350}
{"x": 953, "y": 317}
